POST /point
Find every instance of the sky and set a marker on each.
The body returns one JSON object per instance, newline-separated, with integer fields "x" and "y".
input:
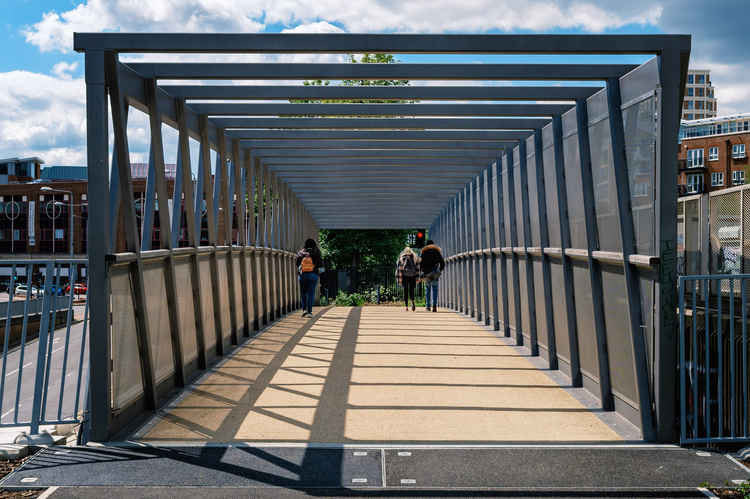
{"x": 42, "y": 100}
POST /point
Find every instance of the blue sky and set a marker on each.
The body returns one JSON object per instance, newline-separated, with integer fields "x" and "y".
{"x": 41, "y": 86}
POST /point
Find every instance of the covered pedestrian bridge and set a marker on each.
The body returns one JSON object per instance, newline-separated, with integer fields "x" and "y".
{"x": 549, "y": 184}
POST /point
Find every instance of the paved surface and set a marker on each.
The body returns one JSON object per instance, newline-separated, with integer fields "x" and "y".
{"x": 558, "y": 471}
{"x": 377, "y": 374}
{"x": 26, "y": 368}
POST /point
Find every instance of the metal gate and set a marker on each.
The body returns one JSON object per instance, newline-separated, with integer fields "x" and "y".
{"x": 714, "y": 402}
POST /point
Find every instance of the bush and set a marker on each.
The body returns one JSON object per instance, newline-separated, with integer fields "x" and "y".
{"x": 350, "y": 300}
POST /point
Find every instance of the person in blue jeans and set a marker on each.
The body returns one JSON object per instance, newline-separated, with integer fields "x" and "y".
{"x": 432, "y": 265}
{"x": 309, "y": 262}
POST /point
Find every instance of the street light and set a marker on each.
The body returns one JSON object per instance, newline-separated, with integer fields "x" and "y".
{"x": 47, "y": 188}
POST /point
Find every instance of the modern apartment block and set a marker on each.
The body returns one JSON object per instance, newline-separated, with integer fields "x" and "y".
{"x": 700, "y": 100}
{"x": 713, "y": 154}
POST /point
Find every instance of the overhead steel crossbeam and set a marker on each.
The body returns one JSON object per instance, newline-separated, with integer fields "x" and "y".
{"x": 304, "y": 71}
{"x": 373, "y": 135}
{"x": 310, "y": 110}
{"x": 385, "y": 123}
{"x": 377, "y": 92}
{"x": 391, "y": 144}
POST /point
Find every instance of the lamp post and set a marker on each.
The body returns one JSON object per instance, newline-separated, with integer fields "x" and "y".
{"x": 47, "y": 188}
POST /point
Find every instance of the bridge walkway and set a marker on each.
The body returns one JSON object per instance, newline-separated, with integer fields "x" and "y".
{"x": 381, "y": 375}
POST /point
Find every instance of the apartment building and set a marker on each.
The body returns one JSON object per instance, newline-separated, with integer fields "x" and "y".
{"x": 700, "y": 99}
{"x": 713, "y": 153}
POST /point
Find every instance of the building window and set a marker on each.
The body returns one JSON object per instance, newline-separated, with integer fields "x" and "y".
{"x": 695, "y": 183}
{"x": 717, "y": 178}
{"x": 690, "y": 92}
{"x": 738, "y": 177}
{"x": 16, "y": 234}
{"x": 690, "y": 104}
{"x": 713, "y": 153}
{"x": 688, "y": 116}
{"x": 695, "y": 158}
{"x": 59, "y": 234}
{"x": 700, "y": 92}
{"x": 700, "y": 79}
{"x": 690, "y": 79}
{"x": 738, "y": 151}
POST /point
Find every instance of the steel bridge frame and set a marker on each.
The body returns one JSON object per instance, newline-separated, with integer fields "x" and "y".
{"x": 495, "y": 182}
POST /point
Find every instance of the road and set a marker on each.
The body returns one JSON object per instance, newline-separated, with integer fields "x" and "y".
{"x": 27, "y": 370}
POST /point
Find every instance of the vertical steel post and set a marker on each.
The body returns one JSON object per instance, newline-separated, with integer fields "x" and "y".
{"x": 544, "y": 242}
{"x": 513, "y": 218}
{"x": 100, "y": 212}
{"x": 632, "y": 283}
{"x": 491, "y": 242}
{"x": 500, "y": 217}
{"x": 562, "y": 207}
{"x": 595, "y": 271}
{"x": 471, "y": 262}
{"x": 530, "y": 291}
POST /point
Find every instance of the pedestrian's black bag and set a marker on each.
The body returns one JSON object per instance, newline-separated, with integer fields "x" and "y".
{"x": 410, "y": 268}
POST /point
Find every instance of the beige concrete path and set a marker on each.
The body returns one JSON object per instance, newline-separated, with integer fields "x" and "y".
{"x": 377, "y": 374}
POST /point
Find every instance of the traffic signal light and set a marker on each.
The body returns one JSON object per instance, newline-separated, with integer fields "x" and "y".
{"x": 419, "y": 239}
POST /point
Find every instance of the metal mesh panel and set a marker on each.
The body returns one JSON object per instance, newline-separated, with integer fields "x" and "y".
{"x": 605, "y": 190}
{"x": 186, "y": 309}
{"x": 726, "y": 233}
{"x": 518, "y": 187}
{"x": 585, "y": 319}
{"x": 640, "y": 150}
{"x": 692, "y": 236}
{"x": 533, "y": 194}
{"x": 550, "y": 191}
{"x": 522, "y": 286}
{"x": 506, "y": 204}
{"x": 239, "y": 315}
{"x": 576, "y": 213}
{"x": 250, "y": 295}
{"x": 495, "y": 198}
{"x": 127, "y": 383}
{"x": 541, "y": 317}
{"x": 559, "y": 310}
{"x": 207, "y": 307}
{"x": 619, "y": 342}
{"x": 223, "y": 284}
{"x": 158, "y": 316}
{"x": 745, "y": 232}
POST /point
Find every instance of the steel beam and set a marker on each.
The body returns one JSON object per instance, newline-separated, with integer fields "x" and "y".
{"x": 384, "y": 110}
{"x": 345, "y": 43}
{"x": 384, "y": 123}
{"x": 375, "y": 145}
{"x": 307, "y": 71}
{"x": 292, "y": 136}
{"x": 377, "y": 92}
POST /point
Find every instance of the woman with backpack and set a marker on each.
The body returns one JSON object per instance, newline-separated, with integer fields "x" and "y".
{"x": 308, "y": 263}
{"x": 407, "y": 271}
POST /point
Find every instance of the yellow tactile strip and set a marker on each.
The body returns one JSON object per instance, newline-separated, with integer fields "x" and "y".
{"x": 377, "y": 374}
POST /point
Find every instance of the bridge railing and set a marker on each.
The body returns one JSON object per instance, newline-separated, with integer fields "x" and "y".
{"x": 44, "y": 366}
{"x": 713, "y": 335}
{"x": 567, "y": 244}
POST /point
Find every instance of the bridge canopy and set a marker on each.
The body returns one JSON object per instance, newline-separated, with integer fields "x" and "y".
{"x": 547, "y": 182}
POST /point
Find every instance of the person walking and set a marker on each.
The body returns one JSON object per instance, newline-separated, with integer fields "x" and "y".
{"x": 308, "y": 263}
{"x": 407, "y": 271}
{"x": 432, "y": 266}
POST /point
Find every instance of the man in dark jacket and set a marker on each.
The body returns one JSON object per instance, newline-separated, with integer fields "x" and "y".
{"x": 432, "y": 265}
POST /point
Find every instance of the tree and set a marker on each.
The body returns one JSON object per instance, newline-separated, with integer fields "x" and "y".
{"x": 361, "y": 249}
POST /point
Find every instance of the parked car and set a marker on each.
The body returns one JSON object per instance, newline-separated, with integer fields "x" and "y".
{"x": 23, "y": 289}
{"x": 78, "y": 289}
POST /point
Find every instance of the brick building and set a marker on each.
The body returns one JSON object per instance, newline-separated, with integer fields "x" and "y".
{"x": 713, "y": 154}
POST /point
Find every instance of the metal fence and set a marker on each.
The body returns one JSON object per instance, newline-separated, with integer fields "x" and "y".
{"x": 44, "y": 372}
{"x": 714, "y": 404}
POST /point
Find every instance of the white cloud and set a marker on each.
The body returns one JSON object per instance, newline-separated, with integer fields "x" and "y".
{"x": 45, "y": 116}
{"x": 63, "y": 69}
{"x": 55, "y": 30}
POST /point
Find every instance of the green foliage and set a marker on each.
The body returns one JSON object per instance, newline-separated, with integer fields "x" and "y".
{"x": 361, "y": 249}
{"x": 350, "y": 300}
